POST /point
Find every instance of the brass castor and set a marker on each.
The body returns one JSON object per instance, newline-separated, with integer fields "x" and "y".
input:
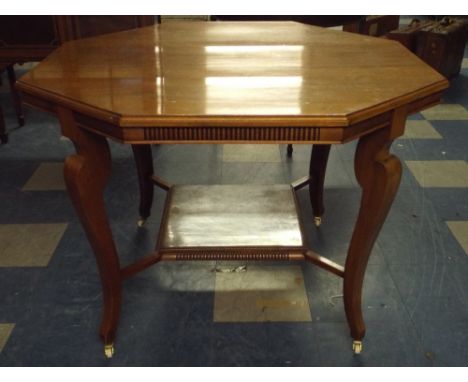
{"x": 317, "y": 221}
{"x": 141, "y": 222}
{"x": 109, "y": 350}
{"x": 357, "y": 347}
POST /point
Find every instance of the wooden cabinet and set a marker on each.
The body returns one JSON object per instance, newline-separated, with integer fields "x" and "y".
{"x": 27, "y": 38}
{"x": 31, "y": 38}
{"x": 75, "y": 27}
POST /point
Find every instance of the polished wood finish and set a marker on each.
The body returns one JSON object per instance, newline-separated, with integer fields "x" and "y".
{"x": 378, "y": 173}
{"x": 318, "y": 20}
{"x": 325, "y": 263}
{"x": 317, "y": 169}
{"x": 86, "y": 174}
{"x": 144, "y": 165}
{"x": 32, "y": 38}
{"x": 141, "y": 79}
{"x": 232, "y": 83}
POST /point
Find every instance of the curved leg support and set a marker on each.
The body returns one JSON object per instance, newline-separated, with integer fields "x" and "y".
{"x": 378, "y": 173}
{"x": 86, "y": 175}
{"x": 3, "y": 134}
{"x": 15, "y": 95}
{"x": 317, "y": 169}
{"x": 144, "y": 164}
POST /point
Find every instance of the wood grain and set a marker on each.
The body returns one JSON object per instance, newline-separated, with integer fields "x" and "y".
{"x": 181, "y": 74}
{"x": 232, "y": 83}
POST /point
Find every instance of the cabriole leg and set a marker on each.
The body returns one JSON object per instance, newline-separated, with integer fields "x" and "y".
{"x": 86, "y": 175}
{"x": 15, "y": 95}
{"x": 317, "y": 169}
{"x": 3, "y": 134}
{"x": 144, "y": 164}
{"x": 378, "y": 173}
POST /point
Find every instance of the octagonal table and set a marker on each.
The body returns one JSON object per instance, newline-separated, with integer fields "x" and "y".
{"x": 249, "y": 82}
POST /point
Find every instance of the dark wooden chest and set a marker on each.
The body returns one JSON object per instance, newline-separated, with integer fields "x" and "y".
{"x": 442, "y": 45}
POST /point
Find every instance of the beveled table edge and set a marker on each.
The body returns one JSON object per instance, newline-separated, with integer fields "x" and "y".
{"x": 177, "y": 121}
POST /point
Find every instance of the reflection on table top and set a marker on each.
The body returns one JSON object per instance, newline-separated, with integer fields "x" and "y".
{"x": 234, "y": 69}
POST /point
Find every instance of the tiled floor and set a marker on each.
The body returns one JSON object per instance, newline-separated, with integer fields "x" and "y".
{"x": 415, "y": 299}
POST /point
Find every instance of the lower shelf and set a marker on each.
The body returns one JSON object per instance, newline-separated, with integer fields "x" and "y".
{"x": 231, "y": 222}
{"x": 251, "y": 222}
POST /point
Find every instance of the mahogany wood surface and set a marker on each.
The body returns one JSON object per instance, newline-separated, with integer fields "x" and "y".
{"x": 144, "y": 164}
{"x": 266, "y": 82}
{"x": 86, "y": 174}
{"x": 184, "y": 74}
{"x": 32, "y": 38}
{"x": 317, "y": 169}
{"x": 378, "y": 173}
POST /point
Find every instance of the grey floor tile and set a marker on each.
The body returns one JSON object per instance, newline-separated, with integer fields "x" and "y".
{"x": 446, "y": 112}
{"x": 445, "y": 342}
{"x": 430, "y": 292}
{"x": 420, "y": 130}
{"x": 252, "y": 173}
{"x": 440, "y": 173}
{"x": 387, "y": 343}
{"x": 251, "y": 153}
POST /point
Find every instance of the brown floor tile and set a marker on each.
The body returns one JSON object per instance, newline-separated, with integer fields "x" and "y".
{"x": 47, "y": 177}
{"x": 460, "y": 231}
{"x": 261, "y": 293}
{"x": 5, "y": 332}
{"x": 29, "y": 245}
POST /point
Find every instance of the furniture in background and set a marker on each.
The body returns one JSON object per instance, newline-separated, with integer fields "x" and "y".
{"x": 439, "y": 43}
{"x": 16, "y": 101}
{"x": 213, "y": 92}
{"x": 376, "y": 26}
{"x": 32, "y": 38}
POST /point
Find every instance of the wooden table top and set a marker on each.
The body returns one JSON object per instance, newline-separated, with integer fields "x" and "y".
{"x": 189, "y": 73}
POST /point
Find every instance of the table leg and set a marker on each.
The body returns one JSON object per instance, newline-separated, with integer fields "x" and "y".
{"x": 378, "y": 173}
{"x": 317, "y": 169}
{"x": 86, "y": 175}
{"x": 3, "y": 134}
{"x": 15, "y": 95}
{"x": 144, "y": 164}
